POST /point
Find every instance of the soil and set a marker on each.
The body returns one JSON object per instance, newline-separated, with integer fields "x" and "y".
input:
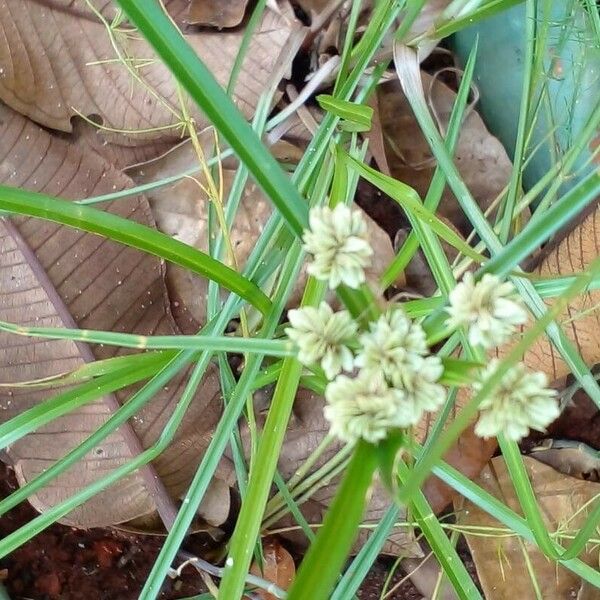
{"x": 72, "y": 564}
{"x": 64, "y": 563}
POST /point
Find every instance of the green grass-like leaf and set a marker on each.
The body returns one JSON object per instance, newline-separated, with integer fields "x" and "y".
{"x": 157, "y": 342}
{"x": 130, "y": 233}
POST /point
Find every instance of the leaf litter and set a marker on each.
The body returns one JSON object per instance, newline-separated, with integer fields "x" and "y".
{"x": 59, "y": 276}
{"x": 52, "y": 275}
{"x": 509, "y": 567}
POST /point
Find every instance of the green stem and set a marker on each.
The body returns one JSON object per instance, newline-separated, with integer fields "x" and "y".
{"x": 452, "y": 565}
{"x": 259, "y": 483}
{"x": 325, "y": 559}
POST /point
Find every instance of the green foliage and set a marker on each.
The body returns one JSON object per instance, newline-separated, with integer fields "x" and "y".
{"x": 328, "y": 173}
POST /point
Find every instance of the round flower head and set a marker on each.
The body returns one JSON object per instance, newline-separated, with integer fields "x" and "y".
{"x": 520, "y": 402}
{"x": 363, "y": 407}
{"x": 338, "y": 242}
{"x": 490, "y": 309}
{"x": 322, "y": 335}
{"x": 393, "y": 346}
{"x": 420, "y": 392}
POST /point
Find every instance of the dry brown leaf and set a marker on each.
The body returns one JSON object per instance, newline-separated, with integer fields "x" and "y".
{"x": 51, "y": 275}
{"x": 479, "y": 157}
{"x": 312, "y": 7}
{"x": 278, "y": 567}
{"x": 216, "y": 13}
{"x": 118, "y": 155}
{"x": 500, "y": 560}
{"x": 425, "y": 575}
{"x": 569, "y": 457}
{"x": 180, "y": 210}
{"x": 581, "y": 319}
{"x": 57, "y": 60}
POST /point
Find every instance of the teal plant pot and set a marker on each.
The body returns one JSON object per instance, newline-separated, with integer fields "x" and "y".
{"x": 567, "y": 90}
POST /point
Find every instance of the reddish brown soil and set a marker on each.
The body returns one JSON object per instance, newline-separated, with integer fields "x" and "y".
{"x": 63, "y": 563}
{"x": 69, "y": 564}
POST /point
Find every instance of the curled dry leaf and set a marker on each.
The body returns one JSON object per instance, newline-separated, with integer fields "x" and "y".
{"x": 59, "y": 276}
{"x": 479, "y": 156}
{"x": 180, "y": 210}
{"x": 216, "y": 13}
{"x": 58, "y": 60}
{"x": 278, "y": 566}
{"x": 500, "y": 561}
{"x": 569, "y": 457}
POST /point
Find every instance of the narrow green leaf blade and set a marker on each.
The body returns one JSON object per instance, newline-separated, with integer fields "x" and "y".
{"x": 132, "y": 234}
{"x": 199, "y": 82}
{"x": 356, "y": 117}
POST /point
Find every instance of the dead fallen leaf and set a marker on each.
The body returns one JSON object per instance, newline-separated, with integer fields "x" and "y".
{"x": 570, "y": 458}
{"x": 573, "y": 254}
{"x": 313, "y": 7}
{"x": 117, "y": 154}
{"x": 51, "y": 275}
{"x": 181, "y": 211}
{"x": 278, "y": 567}
{"x": 57, "y": 60}
{"x": 425, "y": 575}
{"x": 216, "y": 13}
{"x": 213, "y": 512}
{"x": 480, "y": 158}
{"x": 500, "y": 561}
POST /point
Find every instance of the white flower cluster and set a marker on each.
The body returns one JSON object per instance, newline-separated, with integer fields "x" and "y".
{"x": 338, "y": 242}
{"x": 322, "y": 336}
{"x": 396, "y": 377}
{"x": 392, "y": 377}
{"x": 521, "y": 401}
{"x": 491, "y": 311}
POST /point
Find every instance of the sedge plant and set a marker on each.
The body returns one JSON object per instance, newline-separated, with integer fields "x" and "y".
{"x": 378, "y": 363}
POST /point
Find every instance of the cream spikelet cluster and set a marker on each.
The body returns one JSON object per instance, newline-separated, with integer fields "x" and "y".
{"x": 338, "y": 242}
{"x": 395, "y": 378}
{"x": 322, "y": 337}
{"x": 522, "y": 401}
{"x": 385, "y": 377}
{"x": 491, "y": 311}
